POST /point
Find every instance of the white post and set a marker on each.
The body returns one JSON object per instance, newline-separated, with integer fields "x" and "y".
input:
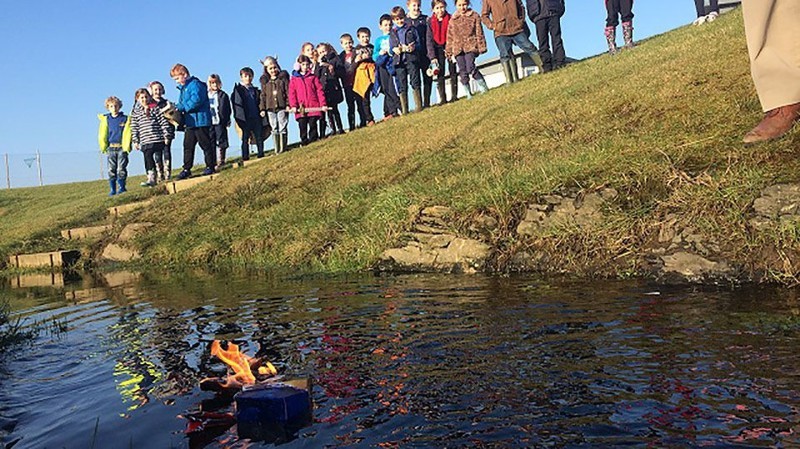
{"x": 8, "y": 174}
{"x": 39, "y": 167}
{"x": 102, "y": 171}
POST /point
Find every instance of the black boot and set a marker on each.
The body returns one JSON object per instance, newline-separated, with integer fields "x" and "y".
{"x": 404, "y": 103}
{"x": 418, "y": 101}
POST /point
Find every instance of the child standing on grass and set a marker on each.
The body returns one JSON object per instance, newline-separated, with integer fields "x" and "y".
{"x": 403, "y": 40}
{"x": 329, "y": 61}
{"x": 420, "y": 23}
{"x": 193, "y": 104}
{"x": 546, "y": 15}
{"x": 275, "y": 101}
{"x": 150, "y": 132}
{"x": 507, "y": 19}
{"x": 305, "y": 91}
{"x": 619, "y": 9}
{"x": 220, "y": 117}
{"x": 321, "y": 73}
{"x": 384, "y": 79}
{"x": 365, "y": 73}
{"x": 246, "y": 112}
{"x": 348, "y": 60}
{"x": 157, "y": 92}
{"x": 114, "y": 137}
{"x": 465, "y": 41}
{"x": 702, "y": 17}
{"x": 437, "y": 41}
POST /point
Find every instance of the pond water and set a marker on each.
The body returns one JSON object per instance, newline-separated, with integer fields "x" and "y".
{"x": 409, "y": 361}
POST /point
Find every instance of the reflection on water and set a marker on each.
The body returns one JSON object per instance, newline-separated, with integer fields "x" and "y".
{"x": 413, "y": 361}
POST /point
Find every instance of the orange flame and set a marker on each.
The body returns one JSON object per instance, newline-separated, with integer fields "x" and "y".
{"x": 268, "y": 370}
{"x": 238, "y": 361}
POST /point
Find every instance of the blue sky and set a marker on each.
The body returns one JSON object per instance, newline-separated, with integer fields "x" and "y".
{"x": 62, "y": 59}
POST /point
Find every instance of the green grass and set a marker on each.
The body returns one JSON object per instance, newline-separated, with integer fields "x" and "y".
{"x": 662, "y": 124}
{"x": 31, "y": 219}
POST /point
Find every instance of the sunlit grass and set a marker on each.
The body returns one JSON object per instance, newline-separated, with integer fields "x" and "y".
{"x": 661, "y": 124}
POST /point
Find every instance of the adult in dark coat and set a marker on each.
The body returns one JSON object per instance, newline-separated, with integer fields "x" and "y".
{"x": 546, "y": 15}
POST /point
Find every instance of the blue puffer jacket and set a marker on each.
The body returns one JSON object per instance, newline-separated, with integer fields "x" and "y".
{"x": 552, "y": 8}
{"x": 193, "y": 102}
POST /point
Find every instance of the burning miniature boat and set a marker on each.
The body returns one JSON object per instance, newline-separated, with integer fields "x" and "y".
{"x": 246, "y": 370}
{"x": 267, "y": 406}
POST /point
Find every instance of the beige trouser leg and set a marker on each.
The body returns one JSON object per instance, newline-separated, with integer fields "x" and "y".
{"x": 773, "y": 41}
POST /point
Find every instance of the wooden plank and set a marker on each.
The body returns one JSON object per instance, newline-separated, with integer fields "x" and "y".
{"x": 46, "y": 260}
{"x": 174, "y": 187}
{"x": 117, "y": 211}
{"x": 85, "y": 233}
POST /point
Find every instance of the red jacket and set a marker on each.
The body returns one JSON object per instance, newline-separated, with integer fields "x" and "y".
{"x": 306, "y": 91}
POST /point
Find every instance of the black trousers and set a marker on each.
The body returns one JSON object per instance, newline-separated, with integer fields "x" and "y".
{"x": 308, "y": 129}
{"x": 405, "y": 73}
{"x": 354, "y": 104}
{"x": 255, "y": 127}
{"x": 443, "y": 76}
{"x": 322, "y": 126}
{"x": 391, "y": 102}
{"x": 700, "y": 5}
{"x": 422, "y": 65}
{"x": 335, "y": 119}
{"x": 192, "y": 137}
{"x": 219, "y": 135}
{"x": 366, "y": 106}
{"x": 617, "y": 8}
{"x": 546, "y": 30}
{"x": 150, "y": 154}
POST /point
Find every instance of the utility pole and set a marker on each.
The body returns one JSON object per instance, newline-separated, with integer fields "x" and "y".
{"x": 8, "y": 174}
{"x": 39, "y": 167}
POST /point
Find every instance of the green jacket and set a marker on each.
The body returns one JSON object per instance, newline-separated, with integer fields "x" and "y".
{"x": 102, "y": 134}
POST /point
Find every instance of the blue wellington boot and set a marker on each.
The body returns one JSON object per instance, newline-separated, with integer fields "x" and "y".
{"x": 121, "y": 182}
{"x": 112, "y": 183}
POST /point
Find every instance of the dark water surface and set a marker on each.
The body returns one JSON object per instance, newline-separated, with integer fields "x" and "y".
{"x": 412, "y": 361}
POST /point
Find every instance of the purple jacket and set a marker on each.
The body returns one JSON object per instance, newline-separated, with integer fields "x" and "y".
{"x": 306, "y": 91}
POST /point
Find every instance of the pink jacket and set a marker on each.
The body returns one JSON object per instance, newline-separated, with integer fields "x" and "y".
{"x": 306, "y": 91}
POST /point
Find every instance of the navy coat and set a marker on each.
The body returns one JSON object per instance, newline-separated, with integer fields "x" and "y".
{"x": 553, "y": 8}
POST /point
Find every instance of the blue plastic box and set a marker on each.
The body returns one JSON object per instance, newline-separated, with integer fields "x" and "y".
{"x": 273, "y": 411}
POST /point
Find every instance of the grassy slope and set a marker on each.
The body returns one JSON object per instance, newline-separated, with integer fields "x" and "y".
{"x": 662, "y": 124}
{"x": 31, "y": 218}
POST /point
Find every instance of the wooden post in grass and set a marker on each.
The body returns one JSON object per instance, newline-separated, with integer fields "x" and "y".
{"x": 8, "y": 174}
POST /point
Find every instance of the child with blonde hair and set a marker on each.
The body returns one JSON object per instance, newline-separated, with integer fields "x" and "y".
{"x": 114, "y": 138}
{"x": 220, "y": 117}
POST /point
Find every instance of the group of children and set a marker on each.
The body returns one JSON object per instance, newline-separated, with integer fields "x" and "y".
{"x": 412, "y": 51}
